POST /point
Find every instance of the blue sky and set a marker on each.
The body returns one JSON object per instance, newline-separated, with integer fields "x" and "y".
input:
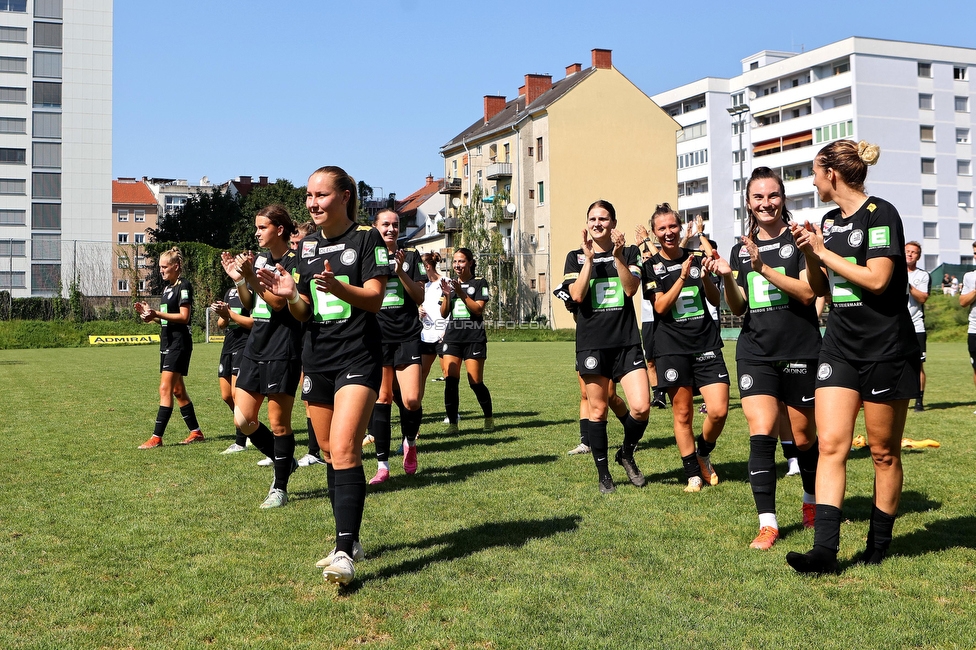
{"x": 226, "y": 88}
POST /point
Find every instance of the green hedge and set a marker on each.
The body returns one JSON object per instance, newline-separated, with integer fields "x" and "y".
{"x": 945, "y": 320}
{"x": 28, "y": 334}
{"x": 523, "y": 334}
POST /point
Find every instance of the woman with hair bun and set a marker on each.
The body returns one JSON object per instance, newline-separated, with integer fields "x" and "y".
{"x": 870, "y": 355}
{"x": 175, "y": 347}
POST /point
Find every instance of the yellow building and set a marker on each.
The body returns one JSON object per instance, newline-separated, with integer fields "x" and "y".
{"x": 554, "y": 149}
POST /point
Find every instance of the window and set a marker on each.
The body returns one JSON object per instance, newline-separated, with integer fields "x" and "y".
{"x": 959, "y": 73}
{"x": 13, "y": 125}
{"x": 930, "y": 230}
{"x": 966, "y": 231}
{"x": 47, "y": 8}
{"x": 123, "y": 261}
{"x": 46, "y": 216}
{"x": 928, "y": 165}
{"x": 842, "y": 100}
{"x": 13, "y": 64}
{"x": 13, "y": 95}
{"x": 47, "y": 64}
{"x": 925, "y": 101}
{"x": 965, "y": 200}
{"x": 123, "y": 215}
{"x": 140, "y": 216}
{"x": 140, "y": 238}
{"x": 47, "y": 154}
{"x": 925, "y": 70}
{"x": 508, "y": 153}
{"x": 13, "y": 248}
{"x": 47, "y": 125}
{"x": 739, "y": 156}
{"x": 142, "y": 285}
{"x": 13, "y": 217}
{"x": 465, "y": 170}
{"x": 962, "y": 104}
{"x": 13, "y": 156}
{"x": 738, "y": 99}
{"x": 174, "y": 203}
{"x": 46, "y": 247}
{"x": 927, "y": 133}
{"x": 477, "y": 150}
{"x": 47, "y": 94}
{"x": 453, "y": 169}
{"x": 542, "y": 193}
{"x": 538, "y": 150}
{"x": 13, "y": 34}
{"x": 928, "y": 197}
{"x": 754, "y": 65}
{"x": 693, "y": 131}
{"x": 738, "y": 127}
{"x": 13, "y": 279}
{"x": 766, "y": 120}
{"x": 46, "y": 186}
{"x": 964, "y": 168}
{"x": 47, "y": 35}
{"x": 693, "y": 158}
{"x": 531, "y": 194}
{"x": 834, "y": 131}
{"x": 123, "y": 284}
{"x": 962, "y": 136}
{"x": 697, "y": 186}
{"x": 15, "y": 186}
{"x": 45, "y": 277}
{"x": 841, "y": 67}
{"x": 531, "y": 152}
{"x": 478, "y": 181}
{"x": 123, "y": 238}
{"x": 931, "y": 261}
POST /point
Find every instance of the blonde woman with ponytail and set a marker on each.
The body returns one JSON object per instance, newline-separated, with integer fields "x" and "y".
{"x": 870, "y": 355}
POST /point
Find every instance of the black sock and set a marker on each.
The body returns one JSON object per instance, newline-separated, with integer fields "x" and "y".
{"x": 808, "y": 459}
{"x": 162, "y": 419}
{"x": 410, "y": 423}
{"x": 704, "y": 447}
{"x": 623, "y": 419}
{"x": 190, "y": 417}
{"x": 598, "y": 446}
{"x": 313, "y": 441}
{"x": 350, "y": 498}
{"x": 585, "y": 432}
{"x": 330, "y": 481}
{"x": 690, "y": 464}
{"x": 633, "y": 432}
{"x": 484, "y": 397}
{"x": 240, "y": 439}
{"x": 379, "y": 428}
{"x": 762, "y": 472}
{"x": 789, "y": 449}
{"x": 451, "y": 398}
{"x": 879, "y": 536}
{"x": 398, "y": 398}
{"x": 263, "y": 440}
{"x": 921, "y": 396}
{"x": 826, "y": 531}
{"x": 284, "y": 460}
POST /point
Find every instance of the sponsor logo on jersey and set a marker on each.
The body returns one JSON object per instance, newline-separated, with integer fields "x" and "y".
{"x": 580, "y": 258}
{"x": 308, "y": 249}
{"x": 855, "y": 238}
{"x": 671, "y": 374}
{"x": 589, "y": 363}
{"x": 768, "y": 247}
{"x": 484, "y": 292}
{"x": 406, "y": 266}
{"x": 601, "y": 260}
{"x": 827, "y": 225}
{"x": 659, "y": 269}
{"x": 470, "y": 290}
{"x": 673, "y": 267}
{"x": 745, "y": 382}
{"x": 879, "y": 237}
{"x": 348, "y": 257}
{"x": 872, "y": 207}
{"x": 824, "y": 371}
{"x": 306, "y": 384}
{"x": 841, "y": 228}
{"x": 786, "y": 251}
{"x": 382, "y": 259}
{"x": 744, "y": 253}
{"x": 332, "y": 249}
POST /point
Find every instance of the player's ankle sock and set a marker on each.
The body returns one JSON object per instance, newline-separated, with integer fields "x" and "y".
{"x": 162, "y": 419}
{"x": 452, "y": 399}
{"x": 585, "y": 432}
{"x": 691, "y": 467}
{"x": 190, "y": 417}
{"x": 379, "y": 428}
{"x": 879, "y": 536}
{"x": 633, "y": 432}
{"x": 284, "y": 459}
{"x": 263, "y": 440}
{"x": 598, "y": 447}
{"x": 762, "y": 472}
{"x": 240, "y": 439}
{"x": 350, "y": 498}
{"x": 410, "y": 424}
{"x": 313, "y": 441}
{"x": 704, "y": 447}
{"x": 808, "y": 459}
{"x": 484, "y": 397}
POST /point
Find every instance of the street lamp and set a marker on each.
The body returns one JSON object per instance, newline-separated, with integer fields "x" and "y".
{"x": 737, "y": 112}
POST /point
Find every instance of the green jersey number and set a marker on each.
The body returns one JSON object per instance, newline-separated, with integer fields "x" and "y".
{"x": 261, "y": 309}
{"x": 460, "y": 309}
{"x": 688, "y": 305}
{"x": 841, "y": 290}
{"x": 327, "y": 307}
{"x": 762, "y": 293}
{"x": 606, "y": 293}
{"x": 394, "y": 293}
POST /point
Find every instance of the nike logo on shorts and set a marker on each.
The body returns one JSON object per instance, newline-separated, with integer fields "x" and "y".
{"x": 874, "y": 391}
{"x": 414, "y": 358}
{"x": 723, "y": 376}
{"x": 351, "y": 376}
{"x": 271, "y": 386}
{"x": 806, "y": 399}
{"x": 637, "y": 363}
{"x": 762, "y": 471}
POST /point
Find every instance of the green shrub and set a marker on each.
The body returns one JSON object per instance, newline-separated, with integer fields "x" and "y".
{"x": 945, "y": 320}
{"x": 28, "y": 334}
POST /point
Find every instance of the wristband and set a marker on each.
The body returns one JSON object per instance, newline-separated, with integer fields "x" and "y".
{"x": 682, "y": 278}
{"x": 294, "y": 300}
{"x": 646, "y": 240}
{"x": 241, "y": 282}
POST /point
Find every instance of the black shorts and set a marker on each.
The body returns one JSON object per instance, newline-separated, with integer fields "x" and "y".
{"x": 404, "y": 353}
{"x": 875, "y": 381}
{"x": 647, "y": 336}
{"x": 921, "y": 336}
{"x": 175, "y": 360}
{"x": 791, "y": 382}
{"x": 230, "y": 364}
{"x": 269, "y": 377}
{"x": 321, "y": 387}
{"x": 612, "y": 363}
{"x": 695, "y": 370}
{"x": 972, "y": 350}
{"x": 465, "y": 351}
{"x": 431, "y": 348}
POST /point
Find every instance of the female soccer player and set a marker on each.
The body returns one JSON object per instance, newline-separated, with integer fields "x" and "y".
{"x": 430, "y": 315}
{"x": 870, "y": 355}
{"x": 175, "y": 348}
{"x": 463, "y": 304}
{"x": 399, "y": 322}
{"x": 688, "y": 344}
{"x": 237, "y": 323}
{"x": 766, "y": 279}
{"x": 342, "y": 278}
{"x": 605, "y": 274}
{"x": 270, "y": 366}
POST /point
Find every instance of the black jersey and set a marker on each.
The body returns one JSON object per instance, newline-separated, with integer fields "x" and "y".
{"x": 235, "y": 336}
{"x": 462, "y": 325}
{"x": 338, "y": 330}
{"x": 605, "y": 317}
{"x": 863, "y": 325}
{"x": 776, "y": 327}
{"x": 275, "y": 335}
{"x": 399, "y": 317}
{"x": 687, "y": 327}
{"x": 172, "y": 336}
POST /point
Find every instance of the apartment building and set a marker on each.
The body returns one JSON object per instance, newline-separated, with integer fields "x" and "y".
{"x": 553, "y": 150}
{"x": 134, "y": 210}
{"x": 55, "y": 144}
{"x": 914, "y": 100}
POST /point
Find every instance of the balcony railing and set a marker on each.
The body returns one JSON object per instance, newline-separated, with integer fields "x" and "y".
{"x": 450, "y": 186}
{"x": 449, "y": 224}
{"x": 499, "y": 170}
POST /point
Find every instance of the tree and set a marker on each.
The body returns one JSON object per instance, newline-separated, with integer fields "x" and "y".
{"x": 484, "y": 239}
{"x": 208, "y": 218}
{"x": 365, "y": 195}
{"x": 281, "y": 191}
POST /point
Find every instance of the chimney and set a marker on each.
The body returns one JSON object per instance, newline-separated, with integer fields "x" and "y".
{"x": 535, "y": 85}
{"x": 262, "y": 180}
{"x": 573, "y": 68}
{"x": 521, "y": 91}
{"x": 246, "y": 180}
{"x": 494, "y": 104}
{"x": 430, "y": 178}
{"x": 601, "y": 58}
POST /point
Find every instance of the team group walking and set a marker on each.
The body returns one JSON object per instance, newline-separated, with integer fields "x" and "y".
{"x": 357, "y": 322}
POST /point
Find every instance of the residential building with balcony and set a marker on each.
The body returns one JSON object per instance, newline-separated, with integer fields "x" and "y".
{"x": 553, "y": 150}
{"x": 914, "y": 100}
{"x": 134, "y": 210}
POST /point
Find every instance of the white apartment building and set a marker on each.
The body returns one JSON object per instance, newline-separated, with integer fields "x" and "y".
{"x": 914, "y": 100}
{"x": 55, "y": 145}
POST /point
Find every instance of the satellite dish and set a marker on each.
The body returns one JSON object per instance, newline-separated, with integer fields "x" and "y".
{"x": 456, "y": 202}
{"x": 511, "y": 208}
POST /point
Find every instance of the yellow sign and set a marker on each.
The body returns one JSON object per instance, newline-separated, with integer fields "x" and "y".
{"x": 134, "y": 339}
{"x": 217, "y": 339}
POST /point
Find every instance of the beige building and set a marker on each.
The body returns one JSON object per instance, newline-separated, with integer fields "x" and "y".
{"x": 134, "y": 209}
{"x": 553, "y": 150}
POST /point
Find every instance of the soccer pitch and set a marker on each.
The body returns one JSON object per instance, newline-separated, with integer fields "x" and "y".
{"x": 500, "y": 540}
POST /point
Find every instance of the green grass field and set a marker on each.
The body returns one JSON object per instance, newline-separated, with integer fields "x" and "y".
{"x": 499, "y": 541}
